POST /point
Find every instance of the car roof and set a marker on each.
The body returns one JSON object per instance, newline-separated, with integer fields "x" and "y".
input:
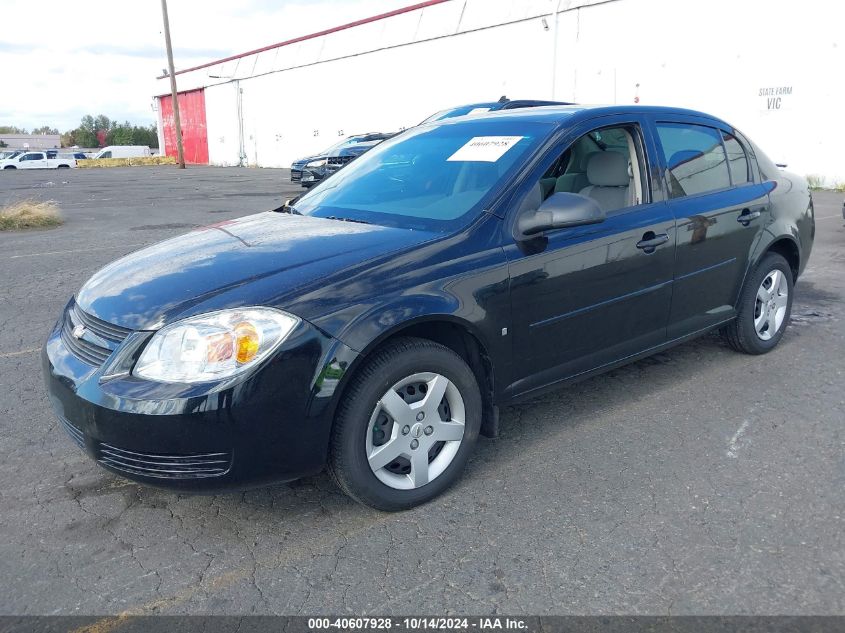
{"x": 573, "y": 113}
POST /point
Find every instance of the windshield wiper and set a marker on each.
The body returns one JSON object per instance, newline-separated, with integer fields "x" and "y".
{"x": 287, "y": 207}
{"x": 334, "y": 217}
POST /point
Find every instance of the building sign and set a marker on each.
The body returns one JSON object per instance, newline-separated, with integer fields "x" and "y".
{"x": 775, "y": 98}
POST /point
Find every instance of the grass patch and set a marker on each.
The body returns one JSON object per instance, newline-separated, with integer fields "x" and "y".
{"x": 29, "y": 214}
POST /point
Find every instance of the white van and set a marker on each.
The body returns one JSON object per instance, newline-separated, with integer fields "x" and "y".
{"x": 123, "y": 151}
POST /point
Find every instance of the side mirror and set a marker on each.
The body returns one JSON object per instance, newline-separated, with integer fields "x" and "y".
{"x": 561, "y": 210}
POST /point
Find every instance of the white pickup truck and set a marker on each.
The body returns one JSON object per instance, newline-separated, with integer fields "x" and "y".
{"x": 37, "y": 160}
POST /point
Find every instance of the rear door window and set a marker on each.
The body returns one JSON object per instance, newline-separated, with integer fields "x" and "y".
{"x": 695, "y": 158}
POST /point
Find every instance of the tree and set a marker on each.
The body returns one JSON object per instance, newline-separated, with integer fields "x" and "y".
{"x": 45, "y": 129}
{"x": 122, "y": 134}
{"x": 11, "y": 129}
{"x": 101, "y": 130}
{"x": 85, "y": 135}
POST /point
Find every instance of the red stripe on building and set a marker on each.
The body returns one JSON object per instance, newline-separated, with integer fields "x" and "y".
{"x": 311, "y": 36}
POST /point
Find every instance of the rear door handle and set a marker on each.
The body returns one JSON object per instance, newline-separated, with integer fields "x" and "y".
{"x": 651, "y": 241}
{"x": 747, "y": 216}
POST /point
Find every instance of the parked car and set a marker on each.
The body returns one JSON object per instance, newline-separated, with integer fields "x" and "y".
{"x": 10, "y": 153}
{"x": 310, "y": 170}
{"x": 36, "y": 160}
{"x": 376, "y": 325}
{"x": 490, "y": 106}
{"x": 123, "y": 151}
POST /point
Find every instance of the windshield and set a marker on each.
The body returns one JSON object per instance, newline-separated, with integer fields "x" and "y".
{"x": 351, "y": 140}
{"x": 430, "y": 178}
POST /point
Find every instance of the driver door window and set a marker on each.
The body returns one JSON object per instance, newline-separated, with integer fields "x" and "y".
{"x": 605, "y": 165}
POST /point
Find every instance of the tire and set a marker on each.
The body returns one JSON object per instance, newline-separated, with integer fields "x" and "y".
{"x": 10, "y": 167}
{"x": 375, "y": 424}
{"x": 764, "y": 307}
{"x": 63, "y": 167}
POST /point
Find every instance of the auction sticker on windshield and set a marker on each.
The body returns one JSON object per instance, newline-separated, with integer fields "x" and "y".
{"x": 486, "y": 149}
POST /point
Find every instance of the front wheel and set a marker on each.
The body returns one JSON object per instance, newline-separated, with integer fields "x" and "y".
{"x": 406, "y": 426}
{"x": 764, "y": 308}
{"x": 10, "y": 167}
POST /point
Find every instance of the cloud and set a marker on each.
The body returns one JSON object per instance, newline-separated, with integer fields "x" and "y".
{"x": 153, "y": 52}
{"x": 103, "y": 56}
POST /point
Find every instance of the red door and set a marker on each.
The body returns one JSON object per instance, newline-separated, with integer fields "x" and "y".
{"x": 192, "y": 117}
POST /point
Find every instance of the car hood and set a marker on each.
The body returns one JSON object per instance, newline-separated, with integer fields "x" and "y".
{"x": 302, "y": 161}
{"x": 256, "y": 260}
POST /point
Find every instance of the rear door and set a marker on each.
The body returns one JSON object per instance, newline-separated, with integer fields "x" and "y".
{"x": 720, "y": 212}
{"x": 587, "y": 296}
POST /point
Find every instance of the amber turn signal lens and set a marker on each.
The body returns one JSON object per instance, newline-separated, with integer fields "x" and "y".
{"x": 247, "y": 342}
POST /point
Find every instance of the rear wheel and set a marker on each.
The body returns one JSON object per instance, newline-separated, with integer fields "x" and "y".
{"x": 764, "y": 308}
{"x": 406, "y": 426}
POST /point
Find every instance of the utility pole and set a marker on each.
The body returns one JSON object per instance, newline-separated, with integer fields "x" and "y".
{"x": 180, "y": 155}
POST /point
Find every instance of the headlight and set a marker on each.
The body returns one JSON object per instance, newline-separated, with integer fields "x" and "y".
{"x": 315, "y": 164}
{"x": 214, "y": 345}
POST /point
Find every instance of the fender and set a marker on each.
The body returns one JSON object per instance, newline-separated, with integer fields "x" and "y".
{"x": 792, "y": 221}
{"x": 340, "y": 361}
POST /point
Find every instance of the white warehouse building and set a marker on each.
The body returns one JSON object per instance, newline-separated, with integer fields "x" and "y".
{"x": 772, "y": 68}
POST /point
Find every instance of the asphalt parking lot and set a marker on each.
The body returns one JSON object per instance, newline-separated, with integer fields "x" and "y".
{"x": 699, "y": 481}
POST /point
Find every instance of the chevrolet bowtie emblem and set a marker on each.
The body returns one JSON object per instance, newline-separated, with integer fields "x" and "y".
{"x": 78, "y": 331}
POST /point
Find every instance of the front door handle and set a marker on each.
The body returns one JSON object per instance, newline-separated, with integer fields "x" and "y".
{"x": 747, "y": 216}
{"x": 651, "y": 241}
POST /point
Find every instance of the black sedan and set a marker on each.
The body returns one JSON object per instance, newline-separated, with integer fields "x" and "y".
{"x": 376, "y": 327}
{"x": 311, "y": 170}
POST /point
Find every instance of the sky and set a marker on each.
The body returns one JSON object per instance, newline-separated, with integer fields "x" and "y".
{"x": 62, "y": 60}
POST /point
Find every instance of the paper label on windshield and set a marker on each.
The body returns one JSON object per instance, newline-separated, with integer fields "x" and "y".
{"x": 486, "y": 149}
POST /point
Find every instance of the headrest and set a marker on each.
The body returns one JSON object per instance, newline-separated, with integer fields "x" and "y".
{"x": 608, "y": 169}
{"x": 585, "y": 162}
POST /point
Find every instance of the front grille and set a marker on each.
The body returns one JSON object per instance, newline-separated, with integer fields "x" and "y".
{"x": 87, "y": 350}
{"x": 339, "y": 160}
{"x": 191, "y": 466}
{"x": 75, "y": 434}
{"x": 295, "y": 174}
{"x": 109, "y": 331}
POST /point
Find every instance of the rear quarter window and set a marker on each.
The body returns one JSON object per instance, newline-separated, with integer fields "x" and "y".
{"x": 737, "y": 159}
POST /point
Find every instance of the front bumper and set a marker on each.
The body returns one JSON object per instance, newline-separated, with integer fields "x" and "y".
{"x": 271, "y": 426}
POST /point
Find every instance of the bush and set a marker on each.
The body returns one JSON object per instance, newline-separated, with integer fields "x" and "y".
{"x": 815, "y": 181}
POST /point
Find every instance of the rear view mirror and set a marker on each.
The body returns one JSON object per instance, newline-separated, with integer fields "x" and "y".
{"x": 561, "y": 210}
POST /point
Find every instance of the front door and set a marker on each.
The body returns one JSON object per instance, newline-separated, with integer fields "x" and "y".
{"x": 33, "y": 160}
{"x": 720, "y": 212}
{"x": 587, "y": 296}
